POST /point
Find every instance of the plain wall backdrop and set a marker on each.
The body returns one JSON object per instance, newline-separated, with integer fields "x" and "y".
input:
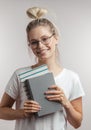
{"x": 73, "y": 18}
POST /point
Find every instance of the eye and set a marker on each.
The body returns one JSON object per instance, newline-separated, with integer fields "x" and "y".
{"x": 34, "y": 42}
{"x": 44, "y": 39}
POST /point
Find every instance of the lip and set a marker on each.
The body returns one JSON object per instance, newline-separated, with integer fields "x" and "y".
{"x": 42, "y": 51}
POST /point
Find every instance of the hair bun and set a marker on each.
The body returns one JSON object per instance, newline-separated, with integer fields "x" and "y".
{"x": 36, "y": 12}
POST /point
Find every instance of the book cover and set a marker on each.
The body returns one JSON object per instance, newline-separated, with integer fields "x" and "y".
{"x": 35, "y": 88}
{"x": 40, "y": 70}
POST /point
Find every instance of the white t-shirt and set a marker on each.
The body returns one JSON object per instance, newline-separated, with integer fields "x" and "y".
{"x": 67, "y": 80}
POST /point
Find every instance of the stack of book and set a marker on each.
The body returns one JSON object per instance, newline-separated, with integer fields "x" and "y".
{"x": 36, "y": 83}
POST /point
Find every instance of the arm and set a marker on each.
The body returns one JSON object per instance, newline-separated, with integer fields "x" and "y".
{"x": 8, "y": 113}
{"x": 73, "y": 108}
{"x": 6, "y": 110}
{"x": 74, "y": 112}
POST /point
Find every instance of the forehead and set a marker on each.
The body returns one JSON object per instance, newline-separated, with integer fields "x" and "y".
{"x": 40, "y": 31}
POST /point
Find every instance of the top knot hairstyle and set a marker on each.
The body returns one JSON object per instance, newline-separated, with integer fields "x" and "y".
{"x": 36, "y": 14}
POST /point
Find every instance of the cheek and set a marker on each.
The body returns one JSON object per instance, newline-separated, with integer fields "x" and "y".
{"x": 53, "y": 47}
{"x": 34, "y": 51}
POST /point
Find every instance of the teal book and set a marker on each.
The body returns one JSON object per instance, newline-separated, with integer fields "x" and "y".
{"x": 35, "y": 88}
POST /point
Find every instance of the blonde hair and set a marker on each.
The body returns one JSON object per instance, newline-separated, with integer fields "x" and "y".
{"x": 36, "y": 14}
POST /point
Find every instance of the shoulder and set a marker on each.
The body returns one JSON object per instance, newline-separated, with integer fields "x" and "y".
{"x": 76, "y": 88}
{"x": 71, "y": 74}
{"x": 22, "y": 70}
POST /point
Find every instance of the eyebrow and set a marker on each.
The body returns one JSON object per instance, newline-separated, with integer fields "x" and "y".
{"x": 34, "y": 40}
{"x": 40, "y": 37}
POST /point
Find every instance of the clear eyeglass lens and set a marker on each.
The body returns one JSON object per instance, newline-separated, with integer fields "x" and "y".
{"x": 44, "y": 41}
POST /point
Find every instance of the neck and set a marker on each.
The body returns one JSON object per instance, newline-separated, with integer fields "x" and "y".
{"x": 52, "y": 65}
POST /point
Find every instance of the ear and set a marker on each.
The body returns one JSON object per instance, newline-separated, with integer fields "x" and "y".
{"x": 56, "y": 38}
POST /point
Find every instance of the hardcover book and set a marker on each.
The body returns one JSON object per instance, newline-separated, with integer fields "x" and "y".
{"x": 40, "y": 70}
{"x": 35, "y": 88}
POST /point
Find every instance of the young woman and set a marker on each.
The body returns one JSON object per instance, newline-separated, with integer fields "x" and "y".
{"x": 43, "y": 39}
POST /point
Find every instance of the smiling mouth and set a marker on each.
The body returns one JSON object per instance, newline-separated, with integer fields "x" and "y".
{"x": 41, "y": 52}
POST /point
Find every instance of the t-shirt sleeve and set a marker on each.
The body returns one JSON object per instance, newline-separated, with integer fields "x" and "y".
{"x": 77, "y": 89}
{"x": 13, "y": 86}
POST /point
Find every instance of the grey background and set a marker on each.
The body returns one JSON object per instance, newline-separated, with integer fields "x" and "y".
{"x": 73, "y": 18}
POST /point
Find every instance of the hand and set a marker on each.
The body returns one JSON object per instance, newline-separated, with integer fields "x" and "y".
{"x": 31, "y": 107}
{"x": 56, "y": 94}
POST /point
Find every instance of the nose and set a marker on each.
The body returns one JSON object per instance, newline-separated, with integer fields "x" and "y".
{"x": 40, "y": 44}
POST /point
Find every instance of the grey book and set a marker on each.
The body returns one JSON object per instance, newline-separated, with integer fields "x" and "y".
{"x": 35, "y": 88}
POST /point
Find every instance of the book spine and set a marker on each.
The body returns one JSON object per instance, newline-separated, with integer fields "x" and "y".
{"x": 28, "y": 91}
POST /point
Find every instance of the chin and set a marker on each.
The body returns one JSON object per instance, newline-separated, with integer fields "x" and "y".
{"x": 43, "y": 58}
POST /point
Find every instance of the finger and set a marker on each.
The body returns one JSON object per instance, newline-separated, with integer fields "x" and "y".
{"x": 54, "y": 92}
{"x": 31, "y": 102}
{"x": 53, "y": 96}
{"x": 31, "y": 111}
{"x": 32, "y": 108}
{"x": 54, "y": 87}
{"x": 31, "y": 105}
{"x": 59, "y": 97}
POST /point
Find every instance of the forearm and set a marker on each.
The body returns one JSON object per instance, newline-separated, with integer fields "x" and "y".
{"x": 11, "y": 114}
{"x": 73, "y": 116}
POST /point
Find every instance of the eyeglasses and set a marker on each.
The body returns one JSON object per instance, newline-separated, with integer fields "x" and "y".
{"x": 45, "y": 41}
